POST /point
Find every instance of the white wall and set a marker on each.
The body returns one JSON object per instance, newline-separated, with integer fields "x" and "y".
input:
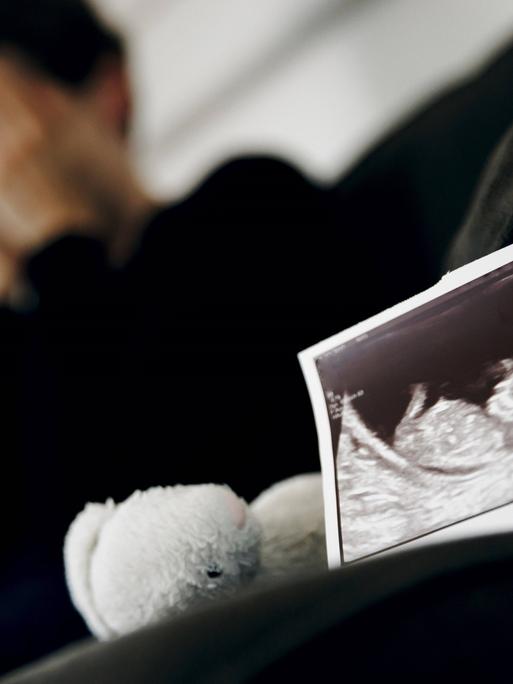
{"x": 314, "y": 80}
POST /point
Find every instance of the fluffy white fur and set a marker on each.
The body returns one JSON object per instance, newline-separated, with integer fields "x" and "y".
{"x": 168, "y": 548}
{"x": 291, "y": 515}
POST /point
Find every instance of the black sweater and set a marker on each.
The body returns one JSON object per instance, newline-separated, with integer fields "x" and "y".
{"x": 182, "y": 366}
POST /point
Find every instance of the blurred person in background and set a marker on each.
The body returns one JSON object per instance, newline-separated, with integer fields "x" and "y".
{"x": 144, "y": 344}
{"x": 140, "y": 344}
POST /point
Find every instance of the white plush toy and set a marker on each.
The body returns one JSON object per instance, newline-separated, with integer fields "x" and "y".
{"x": 168, "y": 548}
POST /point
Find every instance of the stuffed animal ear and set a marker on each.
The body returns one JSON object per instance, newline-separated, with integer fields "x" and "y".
{"x": 79, "y": 546}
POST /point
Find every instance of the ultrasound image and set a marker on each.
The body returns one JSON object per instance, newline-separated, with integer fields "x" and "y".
{"x": 445, "y": 463}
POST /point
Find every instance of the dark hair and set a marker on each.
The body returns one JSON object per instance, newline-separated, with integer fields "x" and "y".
{"x": 64, "y": 38}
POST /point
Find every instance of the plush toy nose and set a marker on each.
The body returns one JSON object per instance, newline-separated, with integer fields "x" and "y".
{"x": 237, "y": 508}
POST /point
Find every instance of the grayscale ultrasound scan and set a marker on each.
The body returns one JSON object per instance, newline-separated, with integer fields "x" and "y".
{"x": 414, "y": 410}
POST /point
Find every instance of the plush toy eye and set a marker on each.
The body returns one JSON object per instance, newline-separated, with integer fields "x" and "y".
{"x": 214, "y": 570}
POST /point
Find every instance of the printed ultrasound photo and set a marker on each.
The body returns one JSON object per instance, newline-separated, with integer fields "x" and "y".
{"x": 421, "y": 417}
